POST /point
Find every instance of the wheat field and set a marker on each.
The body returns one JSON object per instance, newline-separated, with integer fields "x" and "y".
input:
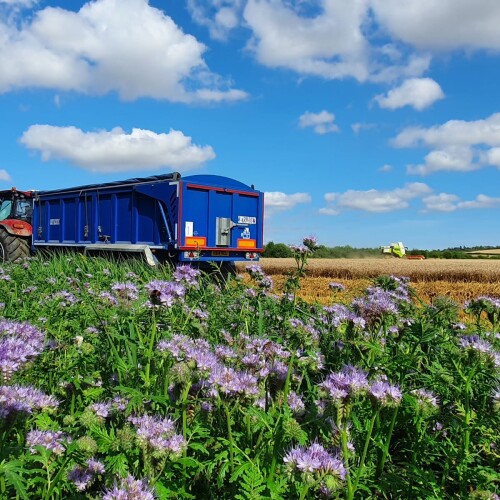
{"x": 460, "y": 280}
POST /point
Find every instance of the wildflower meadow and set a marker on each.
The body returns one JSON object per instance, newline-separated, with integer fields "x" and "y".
{"x": 121, "y": 381}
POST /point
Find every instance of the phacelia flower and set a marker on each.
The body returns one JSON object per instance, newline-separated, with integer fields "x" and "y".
{"x": 158, "y": 434}
{"x": 130, "y": 488}
{"x": 17, "y": 398}
{"x": 53, "y": 441}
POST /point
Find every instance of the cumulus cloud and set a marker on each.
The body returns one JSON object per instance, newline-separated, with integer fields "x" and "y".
{"x": 457, "y": 145}
{"x": 481, "y": 201}
{"x": 374, "y": 200}
{"x": 4, "y": 175}
{"x": 445, "y": 202}
{"x": 341, "y": 38}
{"x": 386, "y": 168}
{"x": 321, "y": 123}
{"x": 220, "y": 16}
{"x": 442, "y": 202}
{"x": 419, "y": 93}
{"x": 22, "y": 3}
{"x": 122, "y": 46}
{"x": 443, "y": 25}
{"x": 116, "y": 150}
{"x": 330, "y": 44}
{"x": 276, "y": 201}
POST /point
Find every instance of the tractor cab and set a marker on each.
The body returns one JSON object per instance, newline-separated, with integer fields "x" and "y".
{"x": 16, "y": 205}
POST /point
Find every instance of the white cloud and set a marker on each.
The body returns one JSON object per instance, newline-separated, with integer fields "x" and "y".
{"x": 123, "y": 46}
{"x": 442, "y": 202}
{"x": 219, "y": 16}
{"x": 358, "y": 127}
{"x": 457, "y": 145}
{"x": 442, "y": 25}
{"x": 374, "y": 200}
{"x": 445, "y": 202}
{"x": 386, "y": 168}
{"x": 321, "y": 123}
{"x": 419, "y": 93}
{"x": 330, "y": 44}
{"x": 116, "y": 150}
{"x": 4, "y": 175}
{"x": 276, "y": 201}
{"x": 481, "y": 201}
{"x": 329, "y": 211}
{"x": 341, "y": 38}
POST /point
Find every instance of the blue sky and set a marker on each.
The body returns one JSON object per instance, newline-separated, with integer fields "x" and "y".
{"x": 363, "y": 121}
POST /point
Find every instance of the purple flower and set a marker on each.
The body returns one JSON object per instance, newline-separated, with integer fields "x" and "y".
{"x": 425, "y": 398}
{"x": 310, "y": 242}
{"x": 186, "y": 274}
{"x": 300, "y": 250}
{"x": 377, "y": 304}
{"x": 385, "y": 394}
{"x": 130, "y": 488}
{"x": 101, "y": 409}
{"x": 183, "y": 348}
{"x": 158, "y": 434}
{"x": 336, "y": 287}
{"x": 232, "y": 383}
{"x": 339, "y": 314}
{"x": 51, "y": 440}
{"x": 80, "y": 477}
{"x": 126, "y": 291}
{"x": 295, "y": 403}
{"x": 314, "y": 460}
{"x": 95, "y": 466}
{"x": 482, "y": 347}
{"x": 19, "y": 342}
{"x": 108, "y": 297}
{"x": 165, "y": 293}
{"x": 350, "y": 381}
{"x": 64, "y": 298}
{"x": 16, "y": 398}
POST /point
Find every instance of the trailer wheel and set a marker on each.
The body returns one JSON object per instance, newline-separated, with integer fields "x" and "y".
{"x": 13, "y": 247}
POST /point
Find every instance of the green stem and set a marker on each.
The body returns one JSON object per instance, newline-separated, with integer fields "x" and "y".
{"x": 345, "y": 452}
{"x": 385, "y": 451}
{"x": 304, "y": 491}
{"x": 150, "y": 353}
{"x": 365, "y": 451}
{"x": 279, "y": 424}
{"x": 229, "y": 436}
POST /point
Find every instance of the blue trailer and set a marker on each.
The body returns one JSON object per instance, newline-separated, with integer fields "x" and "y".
{"x": 199, "y": 218}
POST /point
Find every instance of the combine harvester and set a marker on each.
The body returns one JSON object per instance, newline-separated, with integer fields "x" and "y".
{"x": 166, "y": 218}
{"x": 399, "y": 250}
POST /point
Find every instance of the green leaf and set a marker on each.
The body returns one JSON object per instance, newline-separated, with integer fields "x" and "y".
{"x": 12, "y": 472}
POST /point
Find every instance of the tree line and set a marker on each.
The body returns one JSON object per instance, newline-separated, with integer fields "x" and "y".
{"x": 281, "y": 250}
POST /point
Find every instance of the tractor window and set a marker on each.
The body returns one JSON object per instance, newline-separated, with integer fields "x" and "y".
{"x": 5, "y": 209}
{"x": 23, "y": 210}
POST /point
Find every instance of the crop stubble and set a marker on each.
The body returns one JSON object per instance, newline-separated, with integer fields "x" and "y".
{"x": 457, "y": 279}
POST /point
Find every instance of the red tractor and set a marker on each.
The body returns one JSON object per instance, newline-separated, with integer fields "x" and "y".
{"x": 16, "y": 209}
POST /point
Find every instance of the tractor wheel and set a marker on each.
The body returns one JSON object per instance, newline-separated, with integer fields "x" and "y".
{"x": 12, "y": 247}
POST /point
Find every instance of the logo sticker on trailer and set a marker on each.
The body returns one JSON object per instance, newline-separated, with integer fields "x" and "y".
{"x": 243, "y": 219}
{"x": 55, "y": 222}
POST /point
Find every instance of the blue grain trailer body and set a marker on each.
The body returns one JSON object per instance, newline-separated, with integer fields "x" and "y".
{"x": 201, "y": 218}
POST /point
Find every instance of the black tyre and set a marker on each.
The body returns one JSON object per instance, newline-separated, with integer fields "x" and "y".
{"x": 13, "y": 247}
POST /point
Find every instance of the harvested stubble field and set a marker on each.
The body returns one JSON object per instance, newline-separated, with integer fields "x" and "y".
{"x": 459, "y": 280}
